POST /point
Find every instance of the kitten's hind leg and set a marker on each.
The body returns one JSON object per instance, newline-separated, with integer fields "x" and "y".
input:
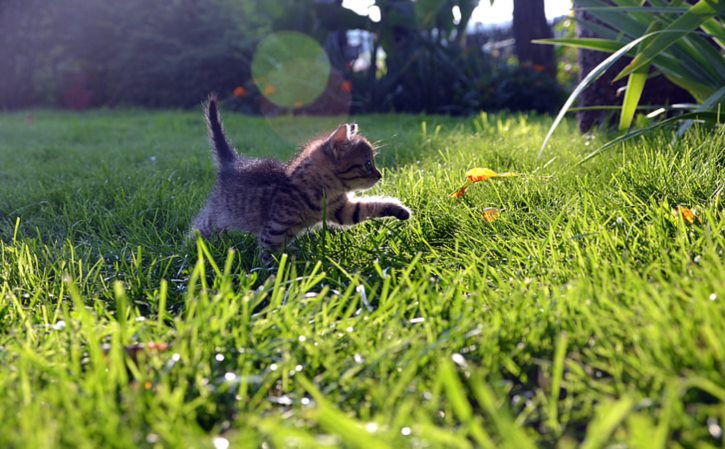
{"x": 273, "y": 240}
{"x": 278, "y": 231}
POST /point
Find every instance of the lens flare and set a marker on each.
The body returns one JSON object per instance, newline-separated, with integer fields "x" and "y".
{"x": 290, "y": 69}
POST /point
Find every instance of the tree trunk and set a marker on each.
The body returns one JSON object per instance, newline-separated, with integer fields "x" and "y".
{"x": 602, "y": 92}
{"x": 529, "y": 24}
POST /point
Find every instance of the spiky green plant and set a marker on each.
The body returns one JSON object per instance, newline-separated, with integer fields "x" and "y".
{"x": 683, "y": 42}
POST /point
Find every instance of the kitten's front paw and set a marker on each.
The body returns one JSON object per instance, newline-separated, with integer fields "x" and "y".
{"x": 402, "y": 213}
{"x": 395, "y": 209}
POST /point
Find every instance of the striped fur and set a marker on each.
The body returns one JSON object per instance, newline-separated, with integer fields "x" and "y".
{"x": 277, "y": 201}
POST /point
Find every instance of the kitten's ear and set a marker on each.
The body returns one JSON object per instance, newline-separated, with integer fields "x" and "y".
{"x": 340, "y": 137}
{"x": 343, "y": 133}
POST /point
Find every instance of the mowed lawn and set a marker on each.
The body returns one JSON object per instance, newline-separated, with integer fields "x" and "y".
{"x": 590, "y": 313}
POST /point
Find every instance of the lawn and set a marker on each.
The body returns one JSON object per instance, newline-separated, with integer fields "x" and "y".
{"x": 590, "y": 313}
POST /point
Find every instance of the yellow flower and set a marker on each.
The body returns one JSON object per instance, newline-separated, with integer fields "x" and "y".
{"x": 482, "y": 174}
{"x": 479, "y": 174}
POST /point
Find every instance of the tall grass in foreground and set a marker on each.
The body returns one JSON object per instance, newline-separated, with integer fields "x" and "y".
{"x": 588, "y": 315}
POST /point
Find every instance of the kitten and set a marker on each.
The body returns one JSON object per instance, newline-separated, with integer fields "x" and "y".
{"x": 277, "y": 201}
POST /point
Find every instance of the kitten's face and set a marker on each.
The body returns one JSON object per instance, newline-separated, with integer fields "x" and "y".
{"x": 353, "y": 158}
{"x": 356, "y": 166}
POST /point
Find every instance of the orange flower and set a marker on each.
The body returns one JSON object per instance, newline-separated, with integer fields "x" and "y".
{"x": 346, "y": 86}
{"x": 269, "y": 89}
{"x": 538, "y": 68}
{"x": 298, "y": 104}
{"x": 239, "y": 91}
{"x": 459, "y": 193}
{"x": 490, "y": 214}
{"x": 687, "y": 214}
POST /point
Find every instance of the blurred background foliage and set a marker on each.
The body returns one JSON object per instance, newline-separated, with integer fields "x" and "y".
{"x": 170, "y": 53}
{"x": 81, "y": 53}
{"x": 432, "y": 64}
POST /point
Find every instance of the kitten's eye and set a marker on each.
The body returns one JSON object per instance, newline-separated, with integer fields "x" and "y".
{"x": 369, "y": 166}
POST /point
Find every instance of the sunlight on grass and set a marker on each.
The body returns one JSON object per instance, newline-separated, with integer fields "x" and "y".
{"x": 587, "y": 311}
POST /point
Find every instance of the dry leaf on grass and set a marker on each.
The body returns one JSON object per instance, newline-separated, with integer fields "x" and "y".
{"x": 478, "y": 174}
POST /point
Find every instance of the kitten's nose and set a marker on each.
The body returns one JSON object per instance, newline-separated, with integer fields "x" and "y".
{"x": 377, "y": 174}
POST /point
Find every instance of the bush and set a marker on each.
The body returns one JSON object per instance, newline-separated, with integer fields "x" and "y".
{"x": 459, "y": 83}
{"x": 77, "y": 53}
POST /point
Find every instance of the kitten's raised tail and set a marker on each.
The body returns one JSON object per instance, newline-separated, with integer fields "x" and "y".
{"x": 223, "y": 153}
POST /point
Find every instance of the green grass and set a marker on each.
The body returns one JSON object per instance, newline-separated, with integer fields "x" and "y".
{"x": 587, "y": 315}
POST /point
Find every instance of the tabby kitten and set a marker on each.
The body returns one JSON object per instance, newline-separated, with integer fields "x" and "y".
{"x": 277, "y": 201}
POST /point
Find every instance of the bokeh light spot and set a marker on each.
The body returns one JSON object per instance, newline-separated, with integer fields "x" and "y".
{"x": 290, "y": 69}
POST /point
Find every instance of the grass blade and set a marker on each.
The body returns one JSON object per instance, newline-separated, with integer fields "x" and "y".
{"x": 556, "y": 377}
{"x": 608, "y": 418}
{"x": 337, "y": 423}
{"x": 513, "y": 436}
{"x": 461, "y": 407}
